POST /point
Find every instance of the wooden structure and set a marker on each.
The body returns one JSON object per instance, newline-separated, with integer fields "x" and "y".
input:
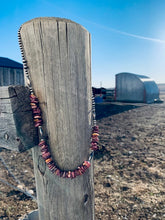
{"x": 17, "y": 131}
{"x": 58, "y": 56}
{"x": 11, "y": 72}
{"x": 14, "y": 104}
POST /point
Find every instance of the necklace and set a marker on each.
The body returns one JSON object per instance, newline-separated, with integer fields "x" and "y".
{"x": 38, "y": 122}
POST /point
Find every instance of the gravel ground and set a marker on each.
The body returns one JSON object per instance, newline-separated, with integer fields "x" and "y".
{"x": 129, "y": 168}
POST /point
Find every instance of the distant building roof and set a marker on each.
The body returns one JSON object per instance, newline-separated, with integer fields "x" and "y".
{"x": 5, "y": 62}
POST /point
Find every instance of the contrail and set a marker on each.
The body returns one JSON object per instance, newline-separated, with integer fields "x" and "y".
{"x": 126, "y": 33}
{"x": 137, "y": 36}
{"x": 115, "y": 30}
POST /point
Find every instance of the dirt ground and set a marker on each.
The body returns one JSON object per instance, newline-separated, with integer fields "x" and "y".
{"x": 129, "y": 168}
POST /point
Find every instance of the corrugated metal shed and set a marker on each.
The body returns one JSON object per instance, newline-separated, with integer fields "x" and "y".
{"x": 11, "y": 72}
{"x": 135, "y": 88}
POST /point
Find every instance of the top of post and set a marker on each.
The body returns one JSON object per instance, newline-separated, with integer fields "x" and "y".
{"x": 57, "y": 19}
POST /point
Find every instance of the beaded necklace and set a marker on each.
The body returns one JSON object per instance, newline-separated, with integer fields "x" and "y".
{"x": 38, "y": 122}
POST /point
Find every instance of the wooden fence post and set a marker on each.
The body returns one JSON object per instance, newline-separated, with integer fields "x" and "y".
{"x": 17, "y": 131}
{"x": 59, "y": 62}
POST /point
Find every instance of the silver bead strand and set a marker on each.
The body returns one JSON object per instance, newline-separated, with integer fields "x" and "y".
{"x": 29, "y": 84}
{"x": 25, "y": 67}
{"x": 94, "y": 123}
{"x": 93, "y": 110}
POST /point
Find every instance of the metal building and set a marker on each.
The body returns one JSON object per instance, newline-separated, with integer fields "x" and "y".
{"x": 11, "y": 72}
{"x": 135, "y": 88}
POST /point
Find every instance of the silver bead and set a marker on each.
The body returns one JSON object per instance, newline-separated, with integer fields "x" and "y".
{"x": 40, "y": 131}
{"x": 91, "y": 156}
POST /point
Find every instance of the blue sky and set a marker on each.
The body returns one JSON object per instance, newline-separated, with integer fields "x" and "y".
{"x": 126, "y": 35}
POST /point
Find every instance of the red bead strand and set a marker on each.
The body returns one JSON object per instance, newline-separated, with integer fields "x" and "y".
{"x": 95, "y": 139}
{"x": 36, "y": 110}
{"x": 46, "y": 155}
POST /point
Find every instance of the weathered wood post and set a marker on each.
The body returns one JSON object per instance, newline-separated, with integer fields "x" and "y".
{"x": 8, "y": 135}
{"x": 58, "y": 57}
{"x": 17, "y": 131}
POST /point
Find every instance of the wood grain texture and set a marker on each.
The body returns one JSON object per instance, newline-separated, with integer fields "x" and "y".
{"x": 17, "y": 130}
{"x": 59, "y": 60}
{"x": 11, "y": 76}
{"x": 22, "y": 114}
{"x": 8, "y": 135}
